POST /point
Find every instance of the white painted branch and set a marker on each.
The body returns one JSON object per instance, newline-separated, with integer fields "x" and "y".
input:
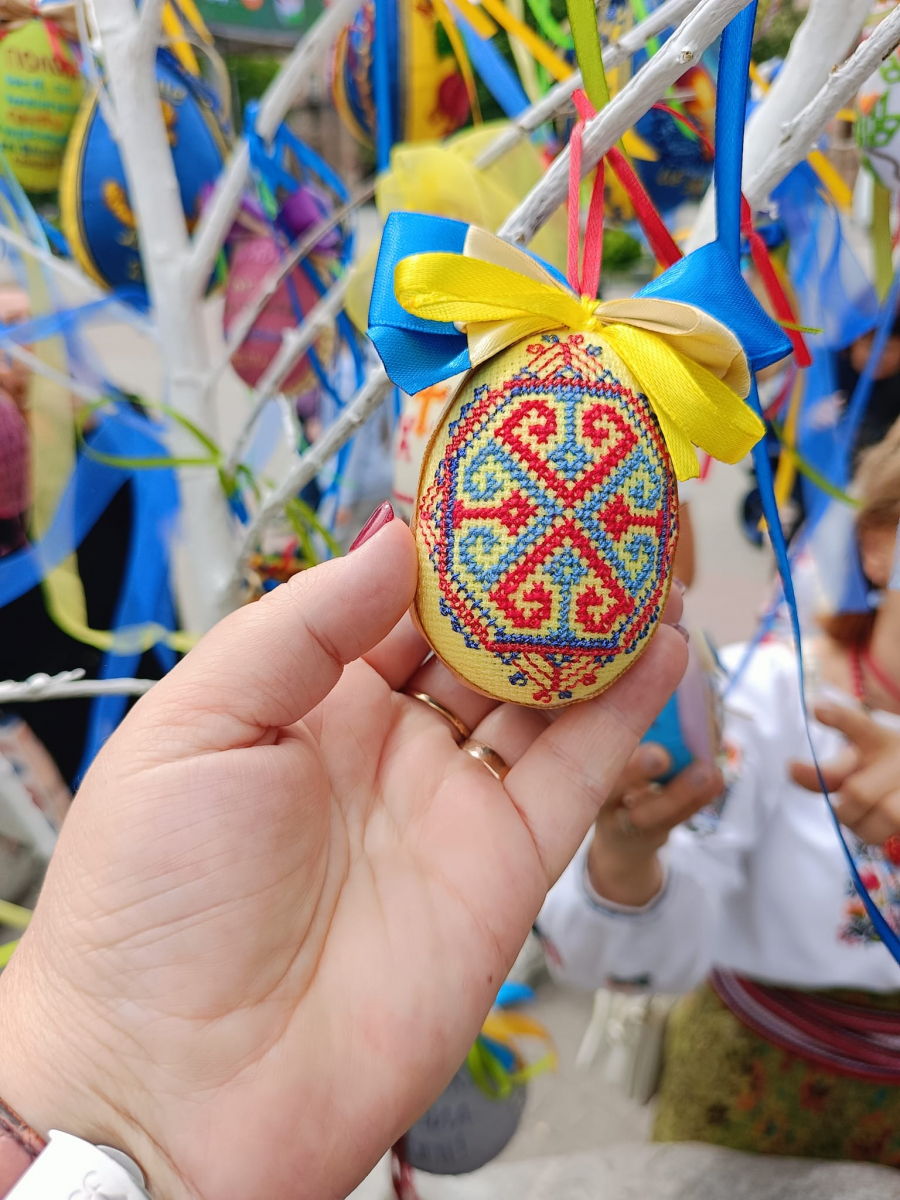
{"x": 150, "y": 25}
{"x": 294, "y": 344}
{"x": 296, "y": 253}
{"x": 90, "y": 69}
{"x": 825, "y": 38}
{"x": 670, "y": 13}
{"x": 352, "y": 418}
{"x": 206, "y": 550}
{"x": 69, "y": 685}
{"x": 683, "y": 49}
{"x": 225, "y": 201}
{"x": 800, "y": 135}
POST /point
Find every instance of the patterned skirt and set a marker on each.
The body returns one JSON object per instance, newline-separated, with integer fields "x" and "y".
{"x": 724, "y": 1084}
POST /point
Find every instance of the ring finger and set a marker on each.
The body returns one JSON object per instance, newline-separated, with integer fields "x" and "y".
{"x": 434, "y": 680}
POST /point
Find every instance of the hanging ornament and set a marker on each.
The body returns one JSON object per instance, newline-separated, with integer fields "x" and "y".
{"x": 40, "y": 92}
{"x": 252, "y": 259}
{"x": 97, "y": 217}
{"x": 428, "y": 95}
{"x": 419, "y": 414}
{"x": 877, "y": 125}
{"x": 547, "y": 510}
{"x": 681, "y": 163}
{"x": 477, "y": 1114}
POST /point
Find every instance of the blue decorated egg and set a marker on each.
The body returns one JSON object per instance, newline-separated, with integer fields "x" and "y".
{"x": 97, "y": 216}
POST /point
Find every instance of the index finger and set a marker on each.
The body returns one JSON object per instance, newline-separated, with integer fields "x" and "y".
{"x": 858, "y": 727}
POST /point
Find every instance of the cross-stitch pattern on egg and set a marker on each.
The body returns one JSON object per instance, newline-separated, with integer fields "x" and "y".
{"x": 546, "y": 524}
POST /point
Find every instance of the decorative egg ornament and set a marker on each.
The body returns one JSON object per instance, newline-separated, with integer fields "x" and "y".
{"x": 419, "y": 415}
{"x": 547, "y": 514}
{"x": 97, "y": 218}
{"x": 40, "y": 92}
{"x": 428, "y": 97}
{"x": 546, "y": 524}
{"x": 251, "y": 261}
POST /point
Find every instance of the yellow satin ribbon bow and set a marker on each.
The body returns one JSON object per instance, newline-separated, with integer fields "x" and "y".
{"x": 689, "y": 365}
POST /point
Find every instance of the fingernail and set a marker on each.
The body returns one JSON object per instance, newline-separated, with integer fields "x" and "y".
{"x": 685, "y": 633}
{"x": 700, "y": 776}
{"x": 383, "y": 515}
{"x": 653, "y": 759}
{"x": 682, "y": 587}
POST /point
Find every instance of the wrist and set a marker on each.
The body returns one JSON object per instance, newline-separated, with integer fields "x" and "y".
{"x": 632, "y": 879}
{"x": 55, "y": 1073}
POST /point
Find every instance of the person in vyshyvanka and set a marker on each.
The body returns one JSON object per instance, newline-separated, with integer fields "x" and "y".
{"x": 786, "y": 1041}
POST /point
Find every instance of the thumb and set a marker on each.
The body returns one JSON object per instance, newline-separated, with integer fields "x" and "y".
{"x": 268, "y": 664}
{"x": 649, "y": 761}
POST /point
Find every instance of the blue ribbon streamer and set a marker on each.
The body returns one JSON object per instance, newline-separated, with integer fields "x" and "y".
{"x": 386, "y": 119}
{"x": 495, "y": 72}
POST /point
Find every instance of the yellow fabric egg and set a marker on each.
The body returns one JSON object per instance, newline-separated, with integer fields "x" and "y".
{"x": 40, "y": 91}
{"x": 546, "y": 523}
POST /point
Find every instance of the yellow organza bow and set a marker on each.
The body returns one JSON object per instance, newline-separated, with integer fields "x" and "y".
{"x": 689, "y": 365}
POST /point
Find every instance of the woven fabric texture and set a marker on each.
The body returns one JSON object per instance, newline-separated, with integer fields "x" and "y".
{"x": 546, "y": 524}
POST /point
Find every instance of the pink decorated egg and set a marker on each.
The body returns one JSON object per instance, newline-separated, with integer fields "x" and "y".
{"x": 251, "y": 261}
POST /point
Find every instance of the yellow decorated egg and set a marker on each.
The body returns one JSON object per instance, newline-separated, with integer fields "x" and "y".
{"x": 40, "y": 91}
{"x": 546, "y": 524}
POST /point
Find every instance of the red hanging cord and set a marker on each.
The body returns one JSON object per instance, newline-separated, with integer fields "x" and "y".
{"x": 402, "y": 1175}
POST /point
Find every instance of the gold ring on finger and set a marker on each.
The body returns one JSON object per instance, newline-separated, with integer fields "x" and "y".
{"x": 461, "y": 730}
{"x": 489, "y": 757}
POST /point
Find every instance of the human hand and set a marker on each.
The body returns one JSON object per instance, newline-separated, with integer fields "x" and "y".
{"x": 636, "y": 820}
{"x": 865, "y": 777}
{"x": 284, "y": 899}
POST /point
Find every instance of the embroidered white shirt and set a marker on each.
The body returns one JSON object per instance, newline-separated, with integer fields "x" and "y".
{"x": 756, "y": 884}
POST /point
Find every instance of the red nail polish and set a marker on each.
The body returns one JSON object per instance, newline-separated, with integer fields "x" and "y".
{"x": 383, "y": 515}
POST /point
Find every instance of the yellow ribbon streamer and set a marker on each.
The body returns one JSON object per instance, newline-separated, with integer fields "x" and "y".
{"x": 690, "y": 366}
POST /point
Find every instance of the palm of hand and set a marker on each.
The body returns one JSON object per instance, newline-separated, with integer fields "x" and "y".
{"x": 277, "y": 939}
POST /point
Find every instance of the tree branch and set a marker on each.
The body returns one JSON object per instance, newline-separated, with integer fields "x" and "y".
{"x": 799, "y": 135}
{"x": 294, "y": 344}
{"x": 683, "y": 49}
{"x": 352, "y": 418}
{"x": 225, "y": 201}
{"x": 669, "y": 13}
{"x": 826, "y": 37}
{"x": 296, "y": 253}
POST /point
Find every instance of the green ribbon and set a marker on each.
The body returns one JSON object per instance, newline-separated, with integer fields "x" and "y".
{"x": 583, "y": 20}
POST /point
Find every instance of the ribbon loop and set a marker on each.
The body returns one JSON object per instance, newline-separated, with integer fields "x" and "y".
{"x": 482, "y": 295}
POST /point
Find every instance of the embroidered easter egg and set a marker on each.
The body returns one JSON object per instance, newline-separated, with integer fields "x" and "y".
{"x": 40, "y": 91}
{"x": 428, "y": 94}
{"x": 251, "y": 261}
{"x": 418, "y": 416}
{"x": 877, "y": 125}
{"x": 546, "y": 524}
